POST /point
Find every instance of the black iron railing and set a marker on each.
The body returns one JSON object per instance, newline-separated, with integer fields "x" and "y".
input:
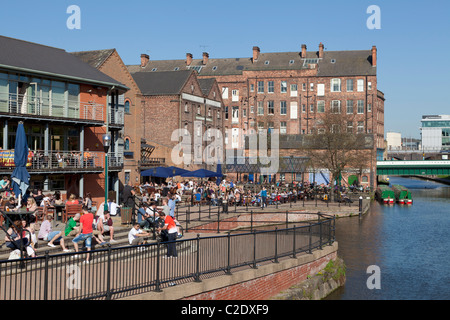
{"x": 117, "y": 272}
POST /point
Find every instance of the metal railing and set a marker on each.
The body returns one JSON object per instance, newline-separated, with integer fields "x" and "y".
{"x": 118, "y": 272}
{"x": 43, "y": 160}
{"x": 32, "y": 105}
{"x": 116, "y": 117}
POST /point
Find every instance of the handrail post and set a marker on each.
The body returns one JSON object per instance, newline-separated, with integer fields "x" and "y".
{"x": 47, "y": 256}
{"x": 197, "y": 269}
{"x": 254, "y": 251}
{"x": 228, "y": 272}
{"x": 276, "y": 245}
{"x": 293, "y": 243}
{"x": 310, "y": 239}
{"x": 108, "y": 275}
{"x": 158, "y": 262}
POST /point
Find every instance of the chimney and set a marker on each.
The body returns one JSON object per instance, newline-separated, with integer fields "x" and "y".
{"x": 205, "y": 57}
{"x": 256, "y": 52}
{"x": 303, "y": 51}
{"x": 321, "y": 50}
{"x": 144, "y": 60}
{"x": 188, "y": 58}
{"x": 374, "y": 56}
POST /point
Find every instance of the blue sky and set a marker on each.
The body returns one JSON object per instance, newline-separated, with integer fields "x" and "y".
{"x": 413, "y": 42}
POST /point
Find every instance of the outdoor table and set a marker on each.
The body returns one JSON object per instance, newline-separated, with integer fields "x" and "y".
{"x": 58, "y": 209}
{"x": 17, "y": 215}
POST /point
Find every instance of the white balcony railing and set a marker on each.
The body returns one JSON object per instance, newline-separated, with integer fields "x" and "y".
{"x": 32, "y": 105}
{"x": 61, "y": 160}
{"x": 116, "y": 117}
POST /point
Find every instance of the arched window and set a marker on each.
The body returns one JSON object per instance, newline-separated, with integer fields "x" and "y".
{"x": 127, "y": 106}
{"x": 126, "y": 144}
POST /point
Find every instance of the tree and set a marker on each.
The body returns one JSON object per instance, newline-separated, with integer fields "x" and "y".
{"x": 336, "y": 145}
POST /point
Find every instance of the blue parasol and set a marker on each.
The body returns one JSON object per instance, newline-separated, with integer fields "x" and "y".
{"x": 20, "y": 178}
{"x": 201, "y": 173}
{"x": 219, "y": 172}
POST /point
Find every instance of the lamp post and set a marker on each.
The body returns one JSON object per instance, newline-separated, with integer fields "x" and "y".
{"x": 106, "y": 144}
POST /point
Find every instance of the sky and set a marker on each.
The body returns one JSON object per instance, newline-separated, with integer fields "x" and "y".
{"x": 413, "y": 40}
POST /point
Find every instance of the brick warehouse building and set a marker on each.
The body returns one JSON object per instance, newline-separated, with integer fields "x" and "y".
{"x": 288, "y": 90}
{"x": 178, "y": 100}
{"x": 128, "y": 129}
{"x": 63, "y": 103}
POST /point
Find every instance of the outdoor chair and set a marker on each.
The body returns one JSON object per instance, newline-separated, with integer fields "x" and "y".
{"x": 70, "y": 211}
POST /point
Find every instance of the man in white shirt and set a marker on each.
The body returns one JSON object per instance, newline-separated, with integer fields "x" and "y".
{"x": 112, "y": 207}
{"x": 136, "y": 236}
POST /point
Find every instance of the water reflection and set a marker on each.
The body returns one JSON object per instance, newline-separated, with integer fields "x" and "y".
{"x": 408, "y": 243}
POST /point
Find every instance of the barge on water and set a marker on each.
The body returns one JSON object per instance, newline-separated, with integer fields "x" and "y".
{"x": 402, "y": 194}
{"x": 385, "y": 194}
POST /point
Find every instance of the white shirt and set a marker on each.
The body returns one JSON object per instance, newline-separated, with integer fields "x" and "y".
{"x": 112, "y": 208}
{"x": 132, "y": 234}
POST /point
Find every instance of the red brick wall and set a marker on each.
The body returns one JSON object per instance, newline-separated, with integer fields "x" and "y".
{"x": 265, "y": 287}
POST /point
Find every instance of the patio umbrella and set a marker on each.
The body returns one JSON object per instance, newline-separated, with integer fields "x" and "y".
{"x": 159, "y": 172}
{"x": 20, "y": 177}
{"x": 178, "y": 171}
{"x": 201, "y": 173}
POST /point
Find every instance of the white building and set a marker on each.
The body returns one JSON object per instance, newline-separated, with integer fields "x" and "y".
{"x": 394, "y": 140}
{"x": 435, "y": 132}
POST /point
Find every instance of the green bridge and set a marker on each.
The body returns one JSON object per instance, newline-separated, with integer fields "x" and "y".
{"x": 407, "y": 168}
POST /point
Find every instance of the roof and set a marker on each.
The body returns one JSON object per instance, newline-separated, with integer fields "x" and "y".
{"x": 94, "y": 58}
{"x": 35, "y": 58}
{"x": 206, "y": 85}
{"x": 161, "y": 83}
{"x": 356, "y": 62}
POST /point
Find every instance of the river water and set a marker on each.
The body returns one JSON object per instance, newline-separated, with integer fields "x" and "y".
{"x": 409, "y": 245}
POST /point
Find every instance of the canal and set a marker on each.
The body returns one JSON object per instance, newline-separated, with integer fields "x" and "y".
{"x": 409, "y": 244}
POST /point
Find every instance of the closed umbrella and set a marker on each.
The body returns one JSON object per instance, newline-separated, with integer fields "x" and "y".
{"x": 20, "y": 177}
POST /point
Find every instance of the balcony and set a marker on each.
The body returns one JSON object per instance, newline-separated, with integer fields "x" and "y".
{"x": 40, "y": 161}
{"x": 24, "y": 105}
{"x": 116, "y": 118}
{"x": 152, "y": 162}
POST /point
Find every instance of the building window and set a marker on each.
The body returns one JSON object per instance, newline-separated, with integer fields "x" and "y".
{"x": 303, "y": 86}
{"x": 283, "y": 86}
{"x": 226, "y": 113}
{"x": 369, "y": 107}
{"x": 303, "y": 108}
{"x": 199, "y": 110}
{"x": 235, "y": 95}
{"x": 311, "y": 87}
{"x": 126, "y": 145}
{"x": 369, "y": 85}
{"x": 252, "y": 109}
{"x": 186, "y": 108}
{"x": 260, "y": 86}
{"x": 349, "y": 126}
{"x": 252, "y": 87}
{"x": 320, "y": 89}
{"x": 360, "y": 109}
{"x": 360, "y": 126}
{"x": 350, "y": 85}
{"x": 260, "y": 127}
{"x": 311, "y": 108}
{"x": 270, "y": 107}
{"x": 127, "y": 106}
{"x": 224, "y": 93}
{"x": 320, "y": 106}
{"x": 335, "y": 85}
{"x": 260, "y": 108}
{"x": 235, "y": 115}
{"x": 336, "y": 106}
{"x": 283, "y": 129}
{"x": 349, "y": 106}
{"x": 360, "y": 85}
{"x": 294, "y": 90}
{"x": 270, "y": 87}
{"x": 283, "y": 108}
